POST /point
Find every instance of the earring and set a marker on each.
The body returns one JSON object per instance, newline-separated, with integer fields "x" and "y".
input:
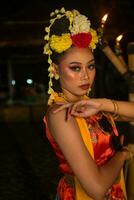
{"x": 55, "y": 72}
{"x": 56, "y": 76}
{"x": 89, "y": 90}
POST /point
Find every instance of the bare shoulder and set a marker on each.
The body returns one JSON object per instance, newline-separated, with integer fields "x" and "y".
{"x": 57, "y": 121}
{"x": 55, "y": 116}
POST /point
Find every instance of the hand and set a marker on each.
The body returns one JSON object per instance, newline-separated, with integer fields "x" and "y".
{"x": 129, "y": 150}
{"x": 130, "y": 147}
{"x": 82, "y": 108}
{"x": 85, "y": 108}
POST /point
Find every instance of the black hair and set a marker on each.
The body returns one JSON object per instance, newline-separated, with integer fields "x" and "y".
{"x": 59, "y": 26}
{"x": 115, "y": 141}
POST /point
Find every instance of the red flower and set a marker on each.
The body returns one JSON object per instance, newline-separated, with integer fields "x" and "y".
{"x": 81, "y": 40}
{"x": 117, "y": 192}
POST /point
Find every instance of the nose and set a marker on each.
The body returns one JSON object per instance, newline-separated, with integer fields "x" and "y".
{"x": 84, "y": 75}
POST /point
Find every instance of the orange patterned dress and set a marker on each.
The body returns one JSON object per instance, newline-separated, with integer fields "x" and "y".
{"x": 103, "y": 151}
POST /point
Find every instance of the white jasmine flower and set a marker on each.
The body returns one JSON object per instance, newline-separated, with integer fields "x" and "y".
{"x": 80, "y": 24}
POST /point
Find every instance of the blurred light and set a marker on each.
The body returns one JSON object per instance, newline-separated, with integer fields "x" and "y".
{"x": 13, "y": 82}
{"x": 118, "y": 39}
{"x": 104, "y": 18}
{"x": 29, "y": 81}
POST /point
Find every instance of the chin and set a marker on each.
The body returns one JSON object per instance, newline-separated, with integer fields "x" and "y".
{"x": 82, "y": 93}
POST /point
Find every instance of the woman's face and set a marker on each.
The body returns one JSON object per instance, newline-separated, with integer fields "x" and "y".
{"x": 77, "y": 72}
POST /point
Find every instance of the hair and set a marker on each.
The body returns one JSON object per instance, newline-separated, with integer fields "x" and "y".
{"x": 59, "y": 26}
{"x": 56, "y": 57}
{"x": 115, "y": 141}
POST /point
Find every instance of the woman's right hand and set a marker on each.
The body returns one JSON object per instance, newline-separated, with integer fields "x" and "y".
{"x": 85, "y": 108}
{"x": 82, "y": 108}
{"x": 128, "y": 150}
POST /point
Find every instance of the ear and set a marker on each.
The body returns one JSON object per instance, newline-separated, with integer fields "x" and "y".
{"x": 55, "y": 69}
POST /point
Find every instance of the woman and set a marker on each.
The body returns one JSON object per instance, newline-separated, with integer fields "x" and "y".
{"x": 84, "y": 145}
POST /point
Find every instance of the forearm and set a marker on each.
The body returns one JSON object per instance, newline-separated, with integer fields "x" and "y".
{"x": 107, "y": 174}
{"x": 110, "y": 171}
{"x": 125, "y": 109}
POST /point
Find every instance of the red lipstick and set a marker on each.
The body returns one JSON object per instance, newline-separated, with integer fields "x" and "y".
{"x": 84, "y": 87}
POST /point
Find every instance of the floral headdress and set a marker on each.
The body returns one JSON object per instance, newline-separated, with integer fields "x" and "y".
{"x": 80, "y": 34}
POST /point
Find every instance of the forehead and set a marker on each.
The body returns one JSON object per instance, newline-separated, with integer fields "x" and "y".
{"x": 82, "y": 55}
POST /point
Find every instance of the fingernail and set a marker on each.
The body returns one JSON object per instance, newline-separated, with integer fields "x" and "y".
{"x": 55, "y": 111}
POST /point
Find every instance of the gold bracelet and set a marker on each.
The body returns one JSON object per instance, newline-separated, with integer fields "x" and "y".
{"x": 131, "y": 155}
{"x": 115, "y": 114}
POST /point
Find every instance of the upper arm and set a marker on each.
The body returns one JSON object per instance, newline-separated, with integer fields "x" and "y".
{"x": 68, "y": 137}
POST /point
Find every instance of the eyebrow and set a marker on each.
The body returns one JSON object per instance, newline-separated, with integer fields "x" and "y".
{"x": 80, "y": 62}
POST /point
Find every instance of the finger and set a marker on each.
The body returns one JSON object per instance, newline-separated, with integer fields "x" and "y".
{"x": 74, "y": 108}
{"x": 78, "y": 108}
{"x": 68, "y": 113}
{"x": 66, "y": 116}
{"x": 80, "y": 103}
{"x": 78, "y": 114}
{"x": 60, "y": 103}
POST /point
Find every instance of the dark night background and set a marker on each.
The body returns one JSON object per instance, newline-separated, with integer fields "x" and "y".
{"x": 28, "y": 168}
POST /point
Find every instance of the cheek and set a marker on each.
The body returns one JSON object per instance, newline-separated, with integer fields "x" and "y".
{"x": 92, "y": 75}
{"x": 68, "y": 75}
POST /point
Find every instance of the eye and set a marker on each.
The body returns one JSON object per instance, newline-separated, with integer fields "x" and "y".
{"x": 91, "y": 66}
{"x": 75, "y": 68}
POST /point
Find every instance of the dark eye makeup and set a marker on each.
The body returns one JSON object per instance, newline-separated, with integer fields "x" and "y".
{"x": 91, "y": 66}
{"x": 75, "y": 68}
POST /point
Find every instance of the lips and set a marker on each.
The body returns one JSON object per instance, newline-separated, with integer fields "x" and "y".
{"x": 85, "y": 86}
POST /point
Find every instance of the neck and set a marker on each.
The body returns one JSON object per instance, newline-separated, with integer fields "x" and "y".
{"x": 70, "y": 97}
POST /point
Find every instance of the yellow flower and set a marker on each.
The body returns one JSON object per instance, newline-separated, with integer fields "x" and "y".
{"x": 47, "y": 49}
{"x": 52, "y": 97}
{"x": 94, "y": 40}
{"x": 52, "y": 21}
{"x": 51, "y": 75}
{"x": 50, "y": 91}
{"x": 62, "y": 10}
{"x": 56, "y": 76}
{"x": 56, "y": 11}
{"x": 50, "y": 68}
{"x": 46, "y": 37}
{"x": 69, "y": 14}
{"x": 49, "y": 60}
{"x": 59, "y": 16}
{"x": 52, "y": 14}
{"x": 75, "y": 12}
{"x": 60, "y": 43}
{"x": 50, "y": 82}
{"x": 47, "y": 29}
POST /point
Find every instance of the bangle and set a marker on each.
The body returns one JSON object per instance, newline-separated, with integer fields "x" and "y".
{"x": 115, "y": 114}
{"x": 126, "y": 149}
